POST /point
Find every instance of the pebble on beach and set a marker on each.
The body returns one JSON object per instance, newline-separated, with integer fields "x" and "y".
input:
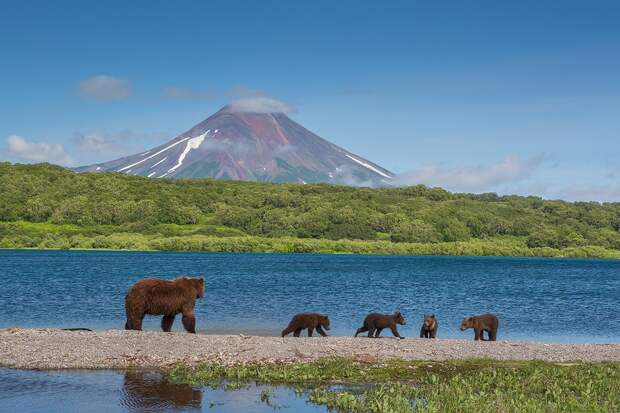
{"x": 119, "y": 349}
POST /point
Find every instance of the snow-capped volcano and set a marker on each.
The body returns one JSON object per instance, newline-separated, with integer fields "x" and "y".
{"x": 250, "y": 146}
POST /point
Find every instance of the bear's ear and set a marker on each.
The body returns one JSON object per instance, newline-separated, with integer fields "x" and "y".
{"x": 432, "y": 315}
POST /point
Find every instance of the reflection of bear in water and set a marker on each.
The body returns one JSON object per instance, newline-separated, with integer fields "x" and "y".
{"x": 149, "y": 391}
{"x": 310, "y": 321}
{"x": 162, "y": 297}
{"x": 480, "y": 324}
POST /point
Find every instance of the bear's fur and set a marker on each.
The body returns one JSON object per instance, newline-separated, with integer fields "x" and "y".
{"x": 429, "y": 327}
{"x": 480, "y": 324}
{"x": 375, "y": 322}
{"x": 310, "y": 321}
{"x": 163, "y": 297}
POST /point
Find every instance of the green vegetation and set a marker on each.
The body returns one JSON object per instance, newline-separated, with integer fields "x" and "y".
{"x": 451, "y": 386}
{"x": 45, "y": 206}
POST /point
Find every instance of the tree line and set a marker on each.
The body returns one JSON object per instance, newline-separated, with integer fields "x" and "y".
{"x": 93, "y": 204}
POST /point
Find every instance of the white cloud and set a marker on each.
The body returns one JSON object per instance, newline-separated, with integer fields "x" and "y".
{"x": 472, "y": 178}
{"x": 104, "y": 87}
{"x": 255, "y": 101}
{"x": 588, "y": 192}
{"x": 260, "y": 105}
{"x": 283, "y": 149}
{"x": 24, "y": 150}
{"x": 118, "y": 143}
{"x": 93, "y": 142}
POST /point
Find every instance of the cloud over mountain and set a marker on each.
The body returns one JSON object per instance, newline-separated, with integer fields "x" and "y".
{"x": 478, "y": 178}
{"x": 105, "y": 88}
{"x": 25, "y": 150}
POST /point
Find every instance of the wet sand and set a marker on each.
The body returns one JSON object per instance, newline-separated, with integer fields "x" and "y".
{"x": 117, "y": 349}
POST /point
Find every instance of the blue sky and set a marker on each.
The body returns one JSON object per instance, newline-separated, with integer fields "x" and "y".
{"x": 512, "y": 97}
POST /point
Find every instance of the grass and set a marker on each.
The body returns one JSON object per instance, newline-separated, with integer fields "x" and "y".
{"x": 345, "y": 385}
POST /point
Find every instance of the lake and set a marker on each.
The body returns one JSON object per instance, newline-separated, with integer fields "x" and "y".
{"x": 545, "y": 299}
{"x": 134, "y": 392}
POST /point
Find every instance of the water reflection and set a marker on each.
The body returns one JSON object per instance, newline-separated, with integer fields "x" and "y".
{"x": 145, "y": 391}
{"x": 135, "y": 391}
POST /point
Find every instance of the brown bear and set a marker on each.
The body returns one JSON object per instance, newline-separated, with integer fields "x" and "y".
{"x": 310, "y": 321}
{"x": 375, "y": 322}
{"x": 163, "y": 297}
{"x": 481, "y": 323}
{"x": 429, "y": 327}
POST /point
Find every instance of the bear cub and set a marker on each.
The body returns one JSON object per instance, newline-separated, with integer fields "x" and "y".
{"x": 163, "y": 297}
{"x": 480, "y": 324}
{"x": 429, "y": 327}
{"x": 310, "y": 321}
{"x": 374, "y": 323}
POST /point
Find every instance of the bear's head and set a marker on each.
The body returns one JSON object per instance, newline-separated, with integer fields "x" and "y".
{"x": 468, "y": 322}
{"x": 399, "y": 319}
{"x": 198, "y": 284}
{"x": 324, "y": 321}
{"x": 429, "y": 321}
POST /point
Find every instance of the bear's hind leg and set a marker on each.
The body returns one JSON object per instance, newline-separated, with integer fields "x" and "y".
{"x": 166, "y": 322}
{"x": 310, "y": 331}
{"x": 189, "y": 321}
{"x": 378, "y": 332}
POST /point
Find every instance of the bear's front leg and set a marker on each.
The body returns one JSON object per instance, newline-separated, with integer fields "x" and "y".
{"x": 166, "y": 323}
{"x": 134, "y": 321}
{"x": 189, "y": 321}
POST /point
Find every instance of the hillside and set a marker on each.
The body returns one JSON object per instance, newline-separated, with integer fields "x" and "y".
{"x": 48, "y": 206}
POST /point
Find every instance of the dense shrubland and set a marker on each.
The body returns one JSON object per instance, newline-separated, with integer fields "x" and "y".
{"x": 48, "y": 206}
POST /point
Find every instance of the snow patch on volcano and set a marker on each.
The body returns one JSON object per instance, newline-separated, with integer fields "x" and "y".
{"x": 193, "y": 143}
{"x": 155, "y": 154}
{"x": 367, "y": 166}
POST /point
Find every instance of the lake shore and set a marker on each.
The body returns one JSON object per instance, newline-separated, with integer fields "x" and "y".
{"x": 118, "y": 349}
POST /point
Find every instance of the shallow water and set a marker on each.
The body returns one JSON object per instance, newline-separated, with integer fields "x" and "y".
{"x": 535, "y": 298}
{"x": 111, "y": 392}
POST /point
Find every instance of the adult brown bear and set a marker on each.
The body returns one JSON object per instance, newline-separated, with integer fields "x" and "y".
{"x": 429, "y": 327}
{"x": 163, "y": 297}
{"x": 377, "y": 322}
{"x": 480, "y": 324}
{"x": 310, "y": 321}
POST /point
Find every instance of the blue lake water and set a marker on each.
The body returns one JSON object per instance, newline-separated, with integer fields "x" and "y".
{"x": 134, "y": 392}
{"x": 555, "y": 300}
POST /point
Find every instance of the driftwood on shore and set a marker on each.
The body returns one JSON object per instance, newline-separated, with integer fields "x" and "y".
{"x": 115, "y": 349}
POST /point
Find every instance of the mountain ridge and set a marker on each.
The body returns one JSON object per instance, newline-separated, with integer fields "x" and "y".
{"x": 253, "y": 146}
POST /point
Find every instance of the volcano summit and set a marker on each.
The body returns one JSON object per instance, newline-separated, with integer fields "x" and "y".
{"x": 250, "y": 146}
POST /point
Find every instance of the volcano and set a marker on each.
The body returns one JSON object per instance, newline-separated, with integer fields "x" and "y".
{"x": 250, "y": 146}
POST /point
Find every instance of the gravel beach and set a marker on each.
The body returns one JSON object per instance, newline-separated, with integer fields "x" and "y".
{"x": 117, "y": 349}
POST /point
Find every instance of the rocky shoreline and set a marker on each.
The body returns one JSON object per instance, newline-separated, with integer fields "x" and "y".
{"x": 118, "y": 349}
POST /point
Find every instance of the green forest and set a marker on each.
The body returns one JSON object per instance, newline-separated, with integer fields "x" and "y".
{"x": 47, "y": 206}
